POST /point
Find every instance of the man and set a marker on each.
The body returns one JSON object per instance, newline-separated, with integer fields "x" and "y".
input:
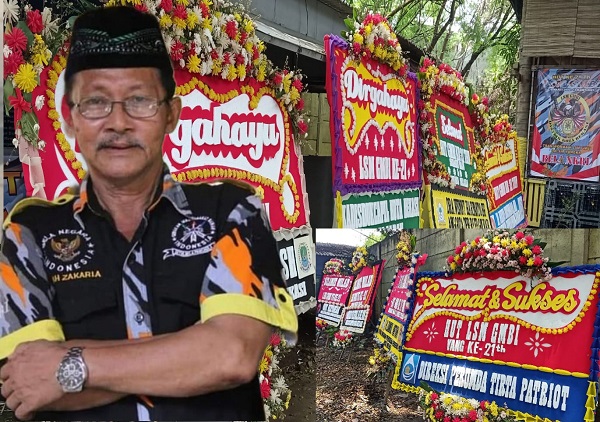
{"x": 155, "y": 300}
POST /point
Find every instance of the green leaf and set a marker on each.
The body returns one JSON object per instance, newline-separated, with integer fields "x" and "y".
{"x": 349, "y": 23}
{"x": 9, "y": 91}
{"x": 425, "y": 386}
{"x": 23, "y": 26}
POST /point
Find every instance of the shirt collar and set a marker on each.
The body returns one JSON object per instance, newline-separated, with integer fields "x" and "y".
{"x": 167, "y": 188}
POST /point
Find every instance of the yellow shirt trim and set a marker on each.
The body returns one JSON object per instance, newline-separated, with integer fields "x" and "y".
{"x": 284, "y": 318}
{"x": 47, "y": 329}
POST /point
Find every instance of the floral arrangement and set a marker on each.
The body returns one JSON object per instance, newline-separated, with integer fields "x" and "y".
{"x": 341, "y": 339}
{"x": 373, "y": 38}
{"x": 31, "y": 38}
{"x": 359, "y": 259}
{"x": 273, "y": 388}
{"x": 321, "y": 324}
{"x": 216, "y": 37}
{"x": 405, "y": 248}
{"x": 501, "y": 250}
{"x": 442, "y": 78}
{"x": 502, "y": 130}
{"x": 381, "y": 362}
{"x": 333, "y": 267}
{"x": 480, "y": 117}
{"x": 445, "y": 407}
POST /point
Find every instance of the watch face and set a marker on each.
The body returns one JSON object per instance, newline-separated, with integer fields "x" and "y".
{"x": 71, "y": 374}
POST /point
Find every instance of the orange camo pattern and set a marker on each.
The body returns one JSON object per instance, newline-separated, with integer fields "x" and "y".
{"x": 237, "y": 258}
{"x": 10, "y": 278}
{"x": 16, "y": 229}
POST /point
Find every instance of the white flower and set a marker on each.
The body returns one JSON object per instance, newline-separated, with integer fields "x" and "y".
{"x": 7, "y": 51}
{"x": 267, "y": 411}
{"x": 275, "y": 397}
{"x": 50, "y": 26}
{"x": 39, "y": 102}
{"x": 15, "y": 142}
{"x": 36, "y": 128}
{"x": 41, "y": 144}
{"x": 11, "y": 11}
{"x": 280, "y": 383}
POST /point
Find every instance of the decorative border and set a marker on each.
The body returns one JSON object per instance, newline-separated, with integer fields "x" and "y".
{"x": 332, "y": 41}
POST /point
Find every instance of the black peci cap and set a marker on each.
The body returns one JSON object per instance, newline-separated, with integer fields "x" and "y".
{"x": 118, "y": 37}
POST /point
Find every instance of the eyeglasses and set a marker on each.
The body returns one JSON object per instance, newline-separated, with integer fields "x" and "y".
{"x": 136, "y": 107}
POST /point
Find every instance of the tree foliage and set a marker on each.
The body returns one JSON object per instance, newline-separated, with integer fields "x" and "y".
{"x": 462, "y": 33}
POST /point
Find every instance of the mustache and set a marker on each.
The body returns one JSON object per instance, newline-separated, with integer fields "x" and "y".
{"x": 118, "y": 141}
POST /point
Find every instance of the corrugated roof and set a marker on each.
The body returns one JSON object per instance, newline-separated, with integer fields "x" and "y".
{"x": 338, "y": 6}
{"x": 334, "y": 250}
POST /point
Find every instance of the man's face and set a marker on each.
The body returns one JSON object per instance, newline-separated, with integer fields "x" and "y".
{"x": 119, "y": 147}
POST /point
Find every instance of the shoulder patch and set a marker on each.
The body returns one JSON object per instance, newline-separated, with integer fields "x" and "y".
{"x": 32, "y": 202}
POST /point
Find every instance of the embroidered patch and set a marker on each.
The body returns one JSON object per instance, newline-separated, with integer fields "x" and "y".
{"x": 191, "y": 237}
{"x": 67, "y": 250}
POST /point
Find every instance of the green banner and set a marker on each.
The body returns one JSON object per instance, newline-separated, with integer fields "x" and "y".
{"x": 395, "y": 210}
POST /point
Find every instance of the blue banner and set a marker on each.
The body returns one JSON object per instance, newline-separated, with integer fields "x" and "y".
{"x": 548, "y": 395}
{"x": 511, "y": 214}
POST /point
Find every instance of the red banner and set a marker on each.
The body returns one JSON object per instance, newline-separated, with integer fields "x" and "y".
{"x": 335, "y": 289}
{"x": 500, "y": 316}
{"x": 228, "y": 129}
{"x": 397, "y": 303}
{"x": 365, "y": 286}
{"x": 373, "y": 124}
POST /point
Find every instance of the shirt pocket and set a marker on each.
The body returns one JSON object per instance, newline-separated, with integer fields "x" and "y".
{"x": 89, "y": 309}
{"x": 177, "y": 301}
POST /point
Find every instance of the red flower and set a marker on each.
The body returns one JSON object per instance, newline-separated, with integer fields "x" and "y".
{"x": 439, "y": 414}
{"x": 278, "y": 78}
{"x": 468, "y": 255}
{"x": 529, "y": 240}
{"x": 180, "y": 12}
{"x": 519, "y": 235}
{"x": 275, "y": 340}
{"x": 459, "y": 261}
{"x": 231, "y": 29}
{"x": 166, "y": 5}
{"x": 12, "y": 63}
{"x": 300, "y": 105}
{"x": 302, "y": 126}
{"x": 483, "y": 404}
{"x": 456, "y": 419}
{"x": 434, "y": 396}
{"x": 447, "y": 419}
{"x": 475, "y": 98}
{"x": 265, "y": 388}
{"x": 485, "y": 101}
{"x": 356, "y": 47}
{"x": 523, "y": 260}
{"x": 205, "y": 10}
{"x": 536, "y": 250}
{"x": 177, "y": 51}
{"x": 214, "y": 54}
{"x": 458, "y": 250}
{"x": 34, "y": 21}
{"x": 16, "y": 40}
{"x": 538, "y": 261}
{"x": 473, "y": 415}
{"x": 297, "y": 83}
{"x": 141, "y": 7}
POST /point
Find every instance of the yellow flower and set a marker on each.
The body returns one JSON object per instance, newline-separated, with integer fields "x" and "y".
{"x": 294, "y": 95}
{"x": 264, "y": 365}
{"x": 165, "y": 21}
{"x": 193, "y": 64}
{"x": 231, "y": 72}
{"x": 207, "y": 24}
{"x": 453, "y": 266}
{"x": 26, "y": 78}
{"x": 269, "y": 353}
{"x": 368, "y": 29}
{"x": 248, "y": 26}
{"x": 494, "y": 409}
{"x": 40, "y": 59}
{"x": 241, "y": 71}
{"x": 496, "y": 239}
{"x": 530, "y": 262}
{"x": 287, "y": 82}
{"x": 358, "y": 38}
{"x": 372, "y": 360}
{"x": 514, "y": 245}
{"x": 192, "y": 20}
{"x": 504, "y": 242}
{"x": 180, "y": 23}
{"x": 527, "y": 252}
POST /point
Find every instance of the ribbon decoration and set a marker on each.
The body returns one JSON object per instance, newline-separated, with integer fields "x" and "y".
{"x": 30, "y": 156}
{"x": 19, "y": 105}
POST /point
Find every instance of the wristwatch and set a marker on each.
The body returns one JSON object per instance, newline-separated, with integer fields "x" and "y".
{"x": 72, "y": 371}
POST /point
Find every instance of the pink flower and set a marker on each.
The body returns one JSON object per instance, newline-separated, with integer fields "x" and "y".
{"x": 231, "y": 29}
{"x": 439, "y": 414}
{"x": 180, "y": 12}
{"x": 300, "y": 105}
{"x": 536, "y": 250}
{"x": 16, "y": 40}
{"x": 450, "y": 259}
{"x": 434, "y": 396}
{"x": 473, "y": 415}
{"x": 275, "y": 340}
{"x": 297, "y": 84}
{"x": 458, "y": 250}
{"x": 538, "y": 261}
{"x": 265, "y": 388}
{"x": 485, "y": 101}
{"x": 141, "y": 7}
{"x": 519, "y": 235}
{"x": 523, "y": 260}
{"x": 12, "y": 63}
{"x": 34, "y": 21}
{"x": 166, "y": 5}
{"x": 302, "y": 126}
{"x": 529, "y": 240}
